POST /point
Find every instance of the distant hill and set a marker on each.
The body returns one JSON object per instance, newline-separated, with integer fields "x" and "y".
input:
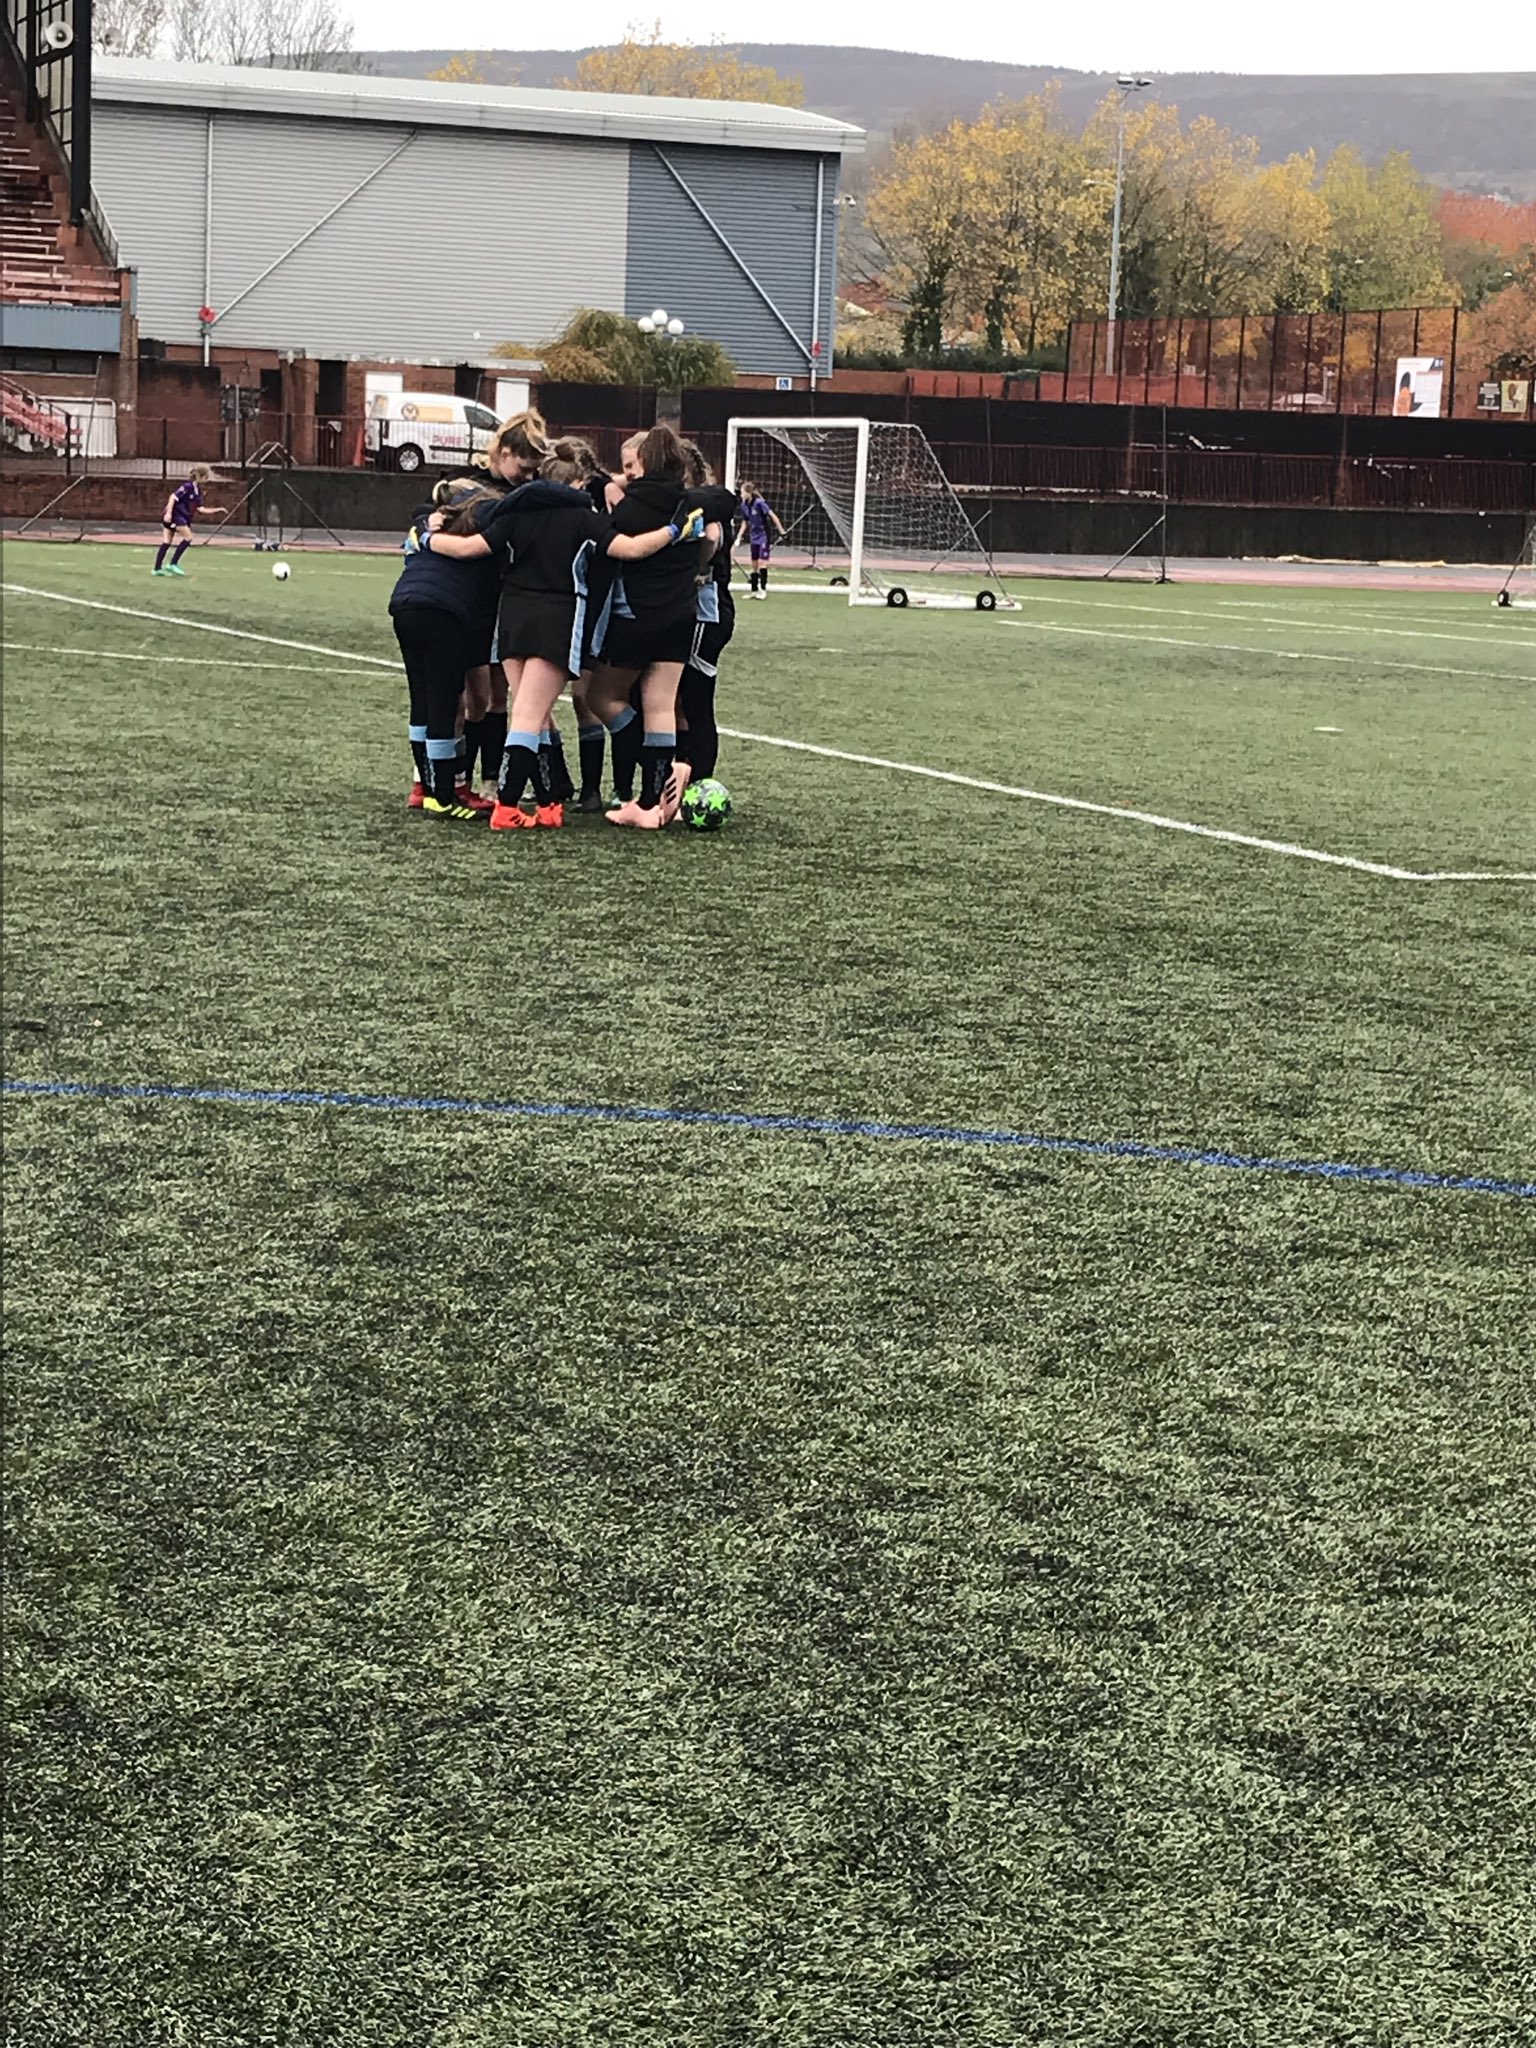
{"x": 1476, "y": 133}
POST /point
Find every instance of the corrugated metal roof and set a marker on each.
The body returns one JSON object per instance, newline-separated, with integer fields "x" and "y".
{"x": 423, "y": 102}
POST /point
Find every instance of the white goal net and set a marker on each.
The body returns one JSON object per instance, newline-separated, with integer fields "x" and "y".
{"x": 1520, "y": 584}
{"x": 864, "y": 503}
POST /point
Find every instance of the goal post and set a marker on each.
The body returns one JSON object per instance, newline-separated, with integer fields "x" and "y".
{"x": 865, "y": 503}
{"x": 1519, "y": 589}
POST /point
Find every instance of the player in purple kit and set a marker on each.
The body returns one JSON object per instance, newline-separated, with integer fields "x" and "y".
{"x": 181, "y": 508}
{"x": 760, "y": 524}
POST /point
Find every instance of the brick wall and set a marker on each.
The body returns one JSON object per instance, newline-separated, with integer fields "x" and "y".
{"x": 100, "y": 501}
{"x": 178, "y": 410}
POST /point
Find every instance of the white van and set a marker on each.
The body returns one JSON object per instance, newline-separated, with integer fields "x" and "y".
{"x": 411, "y": 430}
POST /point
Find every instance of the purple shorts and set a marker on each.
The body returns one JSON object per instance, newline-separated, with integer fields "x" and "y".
{"x": 761, "y": 550}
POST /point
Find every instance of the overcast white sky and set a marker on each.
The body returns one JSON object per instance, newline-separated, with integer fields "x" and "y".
{"x": 1109, "y": 35}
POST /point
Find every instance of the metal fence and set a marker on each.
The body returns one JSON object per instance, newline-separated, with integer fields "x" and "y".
{"x": 1285, "y": 362}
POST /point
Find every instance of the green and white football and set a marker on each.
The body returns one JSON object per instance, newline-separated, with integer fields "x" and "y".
{"x": 706, "y": 805}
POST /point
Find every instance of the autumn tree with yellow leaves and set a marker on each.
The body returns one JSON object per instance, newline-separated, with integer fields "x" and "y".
{"x": 1034, "y": 222}
{"x": 467, "y": 68}
{"x": 1385, "y": 240}
{"x": 644, "y": 63}
{"x": 995, "y": 233}
{"x": 919, "y": 221}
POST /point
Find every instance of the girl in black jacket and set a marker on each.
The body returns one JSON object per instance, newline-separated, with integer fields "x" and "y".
{"x": 698, "y": 737}
{"x": 647, "y": 635}
{"x": 443, "y": 612}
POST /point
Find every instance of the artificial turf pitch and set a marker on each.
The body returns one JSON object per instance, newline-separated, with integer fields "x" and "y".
{"x": 485, "y": 1582}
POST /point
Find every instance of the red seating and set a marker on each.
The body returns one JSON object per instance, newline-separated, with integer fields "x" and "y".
{"x": 55, "y": 285}
{"x": 22, "y": 413}
{"x": 42, "y": 261}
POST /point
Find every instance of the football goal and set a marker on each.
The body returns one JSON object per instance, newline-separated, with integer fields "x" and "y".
{"x": 1520, "y": 584}
{"x": 864, "y": 503}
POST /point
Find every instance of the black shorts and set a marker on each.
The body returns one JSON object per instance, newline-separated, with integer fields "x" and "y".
{"x": 633, "y": 643}
{"x": 710, "y": 640}
{"x": 536, "y": 627}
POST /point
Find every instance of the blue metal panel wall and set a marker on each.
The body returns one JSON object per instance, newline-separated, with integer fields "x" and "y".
{"x": 763, "y": 202}
{"x": 84, "y": 330}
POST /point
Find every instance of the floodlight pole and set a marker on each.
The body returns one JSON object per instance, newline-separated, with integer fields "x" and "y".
{"x": 1127, "y": 87}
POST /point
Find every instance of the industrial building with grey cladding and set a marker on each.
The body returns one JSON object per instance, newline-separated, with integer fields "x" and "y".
{"x": 349, "y": 216}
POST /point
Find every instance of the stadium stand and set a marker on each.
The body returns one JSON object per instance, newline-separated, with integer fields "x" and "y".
{"x": 42, "y": 259}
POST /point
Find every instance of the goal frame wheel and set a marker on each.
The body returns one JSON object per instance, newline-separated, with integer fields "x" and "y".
{"x": 986, "y": 600}
{"x": 896, "y": 598}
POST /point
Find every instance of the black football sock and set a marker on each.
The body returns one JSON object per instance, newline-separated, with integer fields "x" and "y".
{"x": 519, "y": 767}
{"x": 655, "y": 766}
{"x": 752, "y": 581}
{"x": 762, "y": 579}
{"x": 180, "y": 550}
{"x": 469, "y": 750}
{"x": 419, "y": 753}
{"x": 493, "y": 744}
{"x": 559, "y": 776}
{"x": 443, "y": 771}
{"x": 160, "y": 554}
{"x": 626, "y": 738}
{"x": 704, "y": 747}
{"x": 590, "y": 740}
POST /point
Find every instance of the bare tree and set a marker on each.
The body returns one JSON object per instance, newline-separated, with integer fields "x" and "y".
{"x": 296, "y": 35}
{"x": 190, "y": 29}
{"x": 128, "y": 28}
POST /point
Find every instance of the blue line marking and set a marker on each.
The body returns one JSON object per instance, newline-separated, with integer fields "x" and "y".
{"x": 804, "y": 1126}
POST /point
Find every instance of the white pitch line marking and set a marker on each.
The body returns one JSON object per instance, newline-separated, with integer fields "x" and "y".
{"x": 1270, "y": 618}
{"x": 1077, "y": 803}
{"x": 292, "y": 668}
{"x": 1385, "y": 618}
{"x": 128, "y": 611}
{"x": 1492, "y": 675}
{"x": 1374, "y": 632}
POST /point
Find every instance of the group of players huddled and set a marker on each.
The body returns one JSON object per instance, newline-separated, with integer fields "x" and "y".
{"x": 544, "y": 572}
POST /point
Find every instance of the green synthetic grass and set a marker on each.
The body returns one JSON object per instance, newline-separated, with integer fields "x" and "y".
{"x": 489, "y": 1585}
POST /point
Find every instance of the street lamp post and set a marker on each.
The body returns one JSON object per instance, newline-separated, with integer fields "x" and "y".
{"x": 1127, "y": 87}
{"x": 669, "y": 404}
